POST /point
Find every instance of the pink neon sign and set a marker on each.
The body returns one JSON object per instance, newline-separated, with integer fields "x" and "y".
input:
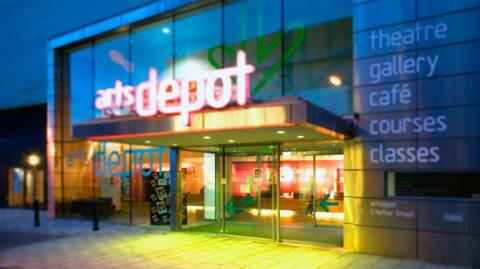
{"x": 170, "y": 96}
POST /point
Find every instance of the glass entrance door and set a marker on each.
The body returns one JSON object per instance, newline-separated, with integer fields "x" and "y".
{"x": 264, "y": 192}
{"x": 249, "y": 191}
{"x": 311, "y": 197}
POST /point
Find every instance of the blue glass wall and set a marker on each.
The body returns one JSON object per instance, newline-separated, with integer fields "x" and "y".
{"x": 294, "y": 45}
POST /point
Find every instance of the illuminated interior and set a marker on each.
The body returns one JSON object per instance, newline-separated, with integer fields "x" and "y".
{"x": 248, "y": 196}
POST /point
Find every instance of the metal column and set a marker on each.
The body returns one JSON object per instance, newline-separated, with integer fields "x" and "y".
{"x": 277, "y": 194}
{"x": 175, "y": 190}
{"x": 314, "y": 190}
{"x": 223, "y": 187}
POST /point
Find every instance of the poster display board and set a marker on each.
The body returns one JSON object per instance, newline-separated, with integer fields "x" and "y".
{"x": 158, "y": 191}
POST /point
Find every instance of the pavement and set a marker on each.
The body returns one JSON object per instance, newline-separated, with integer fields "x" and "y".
{"x": 68, "y": 243}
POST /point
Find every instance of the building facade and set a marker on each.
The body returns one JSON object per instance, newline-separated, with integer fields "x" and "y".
{"x": 21, "y": 137}
{"x": 327, "y": 122}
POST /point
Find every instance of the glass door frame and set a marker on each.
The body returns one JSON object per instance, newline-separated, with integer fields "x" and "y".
{"x": 275, "y": 187}
{"x": 223, "y": 152}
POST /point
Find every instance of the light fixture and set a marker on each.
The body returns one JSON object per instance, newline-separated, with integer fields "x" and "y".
{"x": 206, "y": 137}
{"x": 33, "y": 160}
{"x": 148, "y": 142}
{"x": 281, "y": 132}
{"x": 231, "y": 141}
{"x": 174, "y": 145}
{"x": 335, "y": 80}
{"x": 287, "y": 155}
{"x": 300, "y": 136}
{"x": 166, "y": 30}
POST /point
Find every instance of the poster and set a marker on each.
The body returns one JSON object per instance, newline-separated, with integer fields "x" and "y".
{"x": 158, "y": 190}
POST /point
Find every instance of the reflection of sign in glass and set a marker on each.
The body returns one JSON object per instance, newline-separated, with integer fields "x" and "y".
{"x": 171, "y": 96}
{"x": 110, "y": 163}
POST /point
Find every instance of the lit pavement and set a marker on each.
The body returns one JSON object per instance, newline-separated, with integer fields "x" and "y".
{"x": 72, "y": 244}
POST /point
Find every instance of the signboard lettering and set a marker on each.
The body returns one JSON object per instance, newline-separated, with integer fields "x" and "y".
{"x": 170, "y": 96}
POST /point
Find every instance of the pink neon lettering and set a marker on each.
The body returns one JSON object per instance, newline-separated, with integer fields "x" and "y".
{"x": 165, "y": 96}
{"x": 190, "y": 94}
{"x": 225, "y": 95}
{"x": 145, "y": 94}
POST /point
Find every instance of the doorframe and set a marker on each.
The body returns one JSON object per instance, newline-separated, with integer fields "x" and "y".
{"x": 275, "y": 155}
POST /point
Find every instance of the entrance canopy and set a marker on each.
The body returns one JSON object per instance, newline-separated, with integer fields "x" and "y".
{"x": 279, "y": 120}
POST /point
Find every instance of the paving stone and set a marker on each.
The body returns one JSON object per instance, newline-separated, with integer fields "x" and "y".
{"x": 119, "y": 246}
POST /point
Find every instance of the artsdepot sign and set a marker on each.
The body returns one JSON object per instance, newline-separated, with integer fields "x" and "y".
{"x": 215, "y": 89}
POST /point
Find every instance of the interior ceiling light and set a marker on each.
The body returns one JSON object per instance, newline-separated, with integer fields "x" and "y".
{"x": 231, "y": 141}
{"x": 148, "y": 142}
{"x": 335, "y": 80}
{"x": 300, "y": 136}
{"x": 281, "y": 132}
{"x": 206, "y": 137}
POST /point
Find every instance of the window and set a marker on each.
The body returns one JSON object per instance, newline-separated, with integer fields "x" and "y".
{"x": 195, "y": 33}
{"x": 82, "y": 95}
{"x": 318, "y": 46}
{"x": 255, "y": 27}
{"x": 112, "y": 63}
{"x": 152, "y": 47}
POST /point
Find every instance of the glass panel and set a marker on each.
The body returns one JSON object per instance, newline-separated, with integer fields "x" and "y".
{"x": 112, "y": 65}
{"x": 78, "y": 179}
{"x": 112, "y": 179}
{"x": 16, "y": 177}
{"x": 82, "y": 94}
{"x": 250, "y": 194}
{"x": 152, "y": 46}
{"x": 318, "y": 46}
{"x": 195, "y": 33}
{"x": 29, "y": 188}
{"x": 329, "y": 188}
{"x": 311, "y": 199}
{"x": 199, "y": 189}
{"x": 296, "y": 190}
{"x": 254, "y": 27}
{"x": 39, "y": 187}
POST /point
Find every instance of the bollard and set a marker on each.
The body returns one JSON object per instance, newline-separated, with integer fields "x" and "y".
{"x": 95, "y": 216}
{"x": 36, "y": 209}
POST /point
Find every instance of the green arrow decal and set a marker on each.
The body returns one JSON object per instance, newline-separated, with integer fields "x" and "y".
{"x": 248, "y": 200}
{"x": 230, "y": 208}
{"x": 264, "y": 50}
{"x": 324, "y": 204}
